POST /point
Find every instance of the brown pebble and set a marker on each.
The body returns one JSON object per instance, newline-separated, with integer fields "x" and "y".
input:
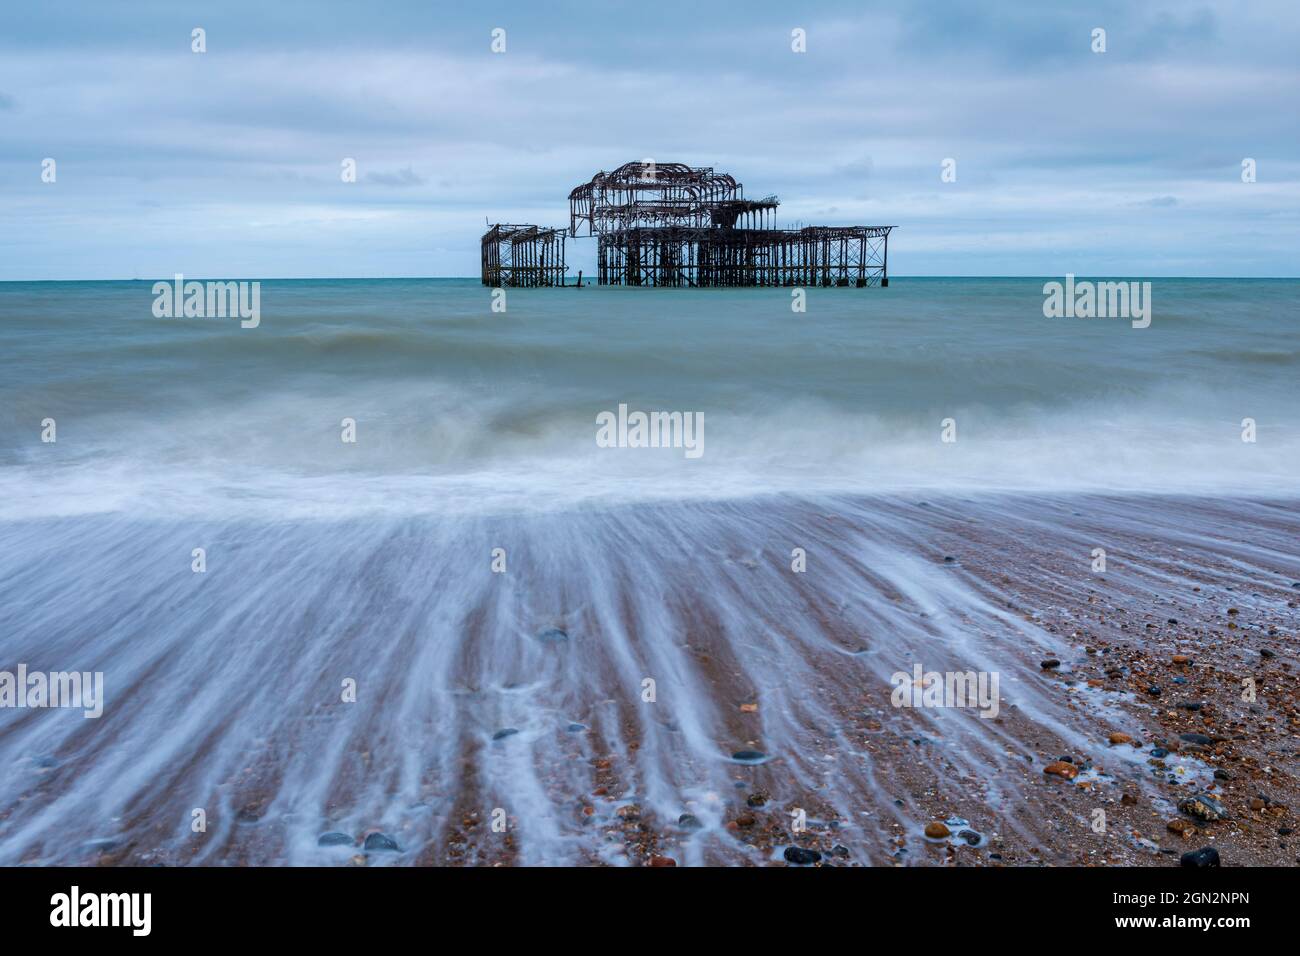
{"x": 1060, "y": 768}
{"x": 1119, "y": 738}
{"x": 936, "y": 830}
{"x": 662, "y": 861}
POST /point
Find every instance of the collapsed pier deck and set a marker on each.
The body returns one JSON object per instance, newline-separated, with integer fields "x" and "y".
{"x": 856, "y": 256}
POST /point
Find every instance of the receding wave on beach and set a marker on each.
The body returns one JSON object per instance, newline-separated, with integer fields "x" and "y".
{"x": 524, "y": 690}
{"x": 474, "y": 635}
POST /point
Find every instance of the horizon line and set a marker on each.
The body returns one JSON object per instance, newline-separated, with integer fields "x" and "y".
{"x": 407, "y": 278}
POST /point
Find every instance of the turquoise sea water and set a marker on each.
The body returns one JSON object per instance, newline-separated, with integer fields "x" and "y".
{"x": 458, "y": 406}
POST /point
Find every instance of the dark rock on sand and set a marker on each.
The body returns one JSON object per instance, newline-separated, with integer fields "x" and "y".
{"x": 1265, "y": 652}
{"x": 749, "y": 756}
{"x": 1203, "y": 807}
{"x": 505, "y": 732}
{"x": 382, "y": 842}
{"x": 335, "y": 838}
{"x": 576, "y": 728}
{"x": 801, "y": 857}
{"x": 1205, "y": 856}
{"x": 1154, "y": 690}
{"x": 1199, "y": 739}
{"x": 689, "y": 821}
{"x": 552, "y": 635}
{"x": 839, "y": 850}
{"x": 1049, "y": 664}
{"x": 1222, "y": 775}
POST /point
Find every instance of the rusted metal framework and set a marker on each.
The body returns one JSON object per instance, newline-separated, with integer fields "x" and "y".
{"x": 664, "y": 194}
{"x": 522, "y": 255}
{"x": 814, "y": 256}
{"x": 669, "y": 224}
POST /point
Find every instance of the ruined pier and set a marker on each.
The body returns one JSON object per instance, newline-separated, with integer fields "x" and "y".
{"x": 668, "y": 224}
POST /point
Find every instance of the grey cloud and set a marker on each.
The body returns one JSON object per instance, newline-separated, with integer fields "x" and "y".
{"x": 403, "y": 178}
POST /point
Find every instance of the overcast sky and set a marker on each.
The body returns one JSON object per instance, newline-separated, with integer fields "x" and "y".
{"x": 227, "y": 163}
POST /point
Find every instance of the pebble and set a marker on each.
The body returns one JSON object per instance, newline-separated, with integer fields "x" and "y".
{"x": 553, "y": 635}
{"x": 1049, "y": 664}
{"x": 335, "y": 838}
{"x": 381, "y": 842}
{"x": 1199, "y": 739}
{"x": 749, "y": 756}
{"x": 689, "y": 821}
{"x": 800, "y": 856}
{"x": 505, "y": 732}
{"x": 936, "y": 831}
{"x": 662, "y": 861}
{"x": 757, "y": 800}
{"x": 1180, "y": 826}
{"x": 748, "y": 708}
{"x": 1265, "y": 652}
{"x": 1182, "y": 659}
{"x": 1203, "y": 807}
{"x": 1118, "y": 738}
{"x": 1205, "y": 856}
{"x": 1060, "y": 768}
{"x": 1154, "y": 690}
{"x": 1160, "y": 753}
